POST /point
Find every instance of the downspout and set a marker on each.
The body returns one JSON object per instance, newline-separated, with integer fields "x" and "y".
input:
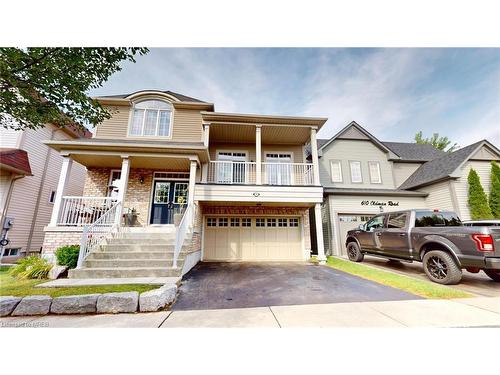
{"x": 39, "y": 196}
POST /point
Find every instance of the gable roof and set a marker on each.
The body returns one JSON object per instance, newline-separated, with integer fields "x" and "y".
{"x": 414, "y": 151}
{"x": 180, "y": 97}
{"x": 348, "y": 131}
{"x": 443, "y": 167}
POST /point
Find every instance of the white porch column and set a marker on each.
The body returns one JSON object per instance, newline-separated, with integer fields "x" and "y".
{"x": 206, "y": 134}
{"x": 122, "y": 190}
{"x": 258, "y": 155}
{"x": 204, "y": 172}
{"x": 314, "y": 154}
{"x": 61, "y": 185}
{"x": 319, "y": 233}
{"x": 192, "y": 181}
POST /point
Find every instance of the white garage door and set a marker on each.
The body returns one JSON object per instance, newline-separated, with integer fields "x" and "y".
{"x": 346, "y": 223}
{"x": 252, "y": 239}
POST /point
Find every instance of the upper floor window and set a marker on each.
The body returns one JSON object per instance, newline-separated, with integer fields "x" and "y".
{"x": 336, "y": 170}
{"x": 374, "y": 168}
{"x": 151, "y": 118}
{"x": 356, "y": 176}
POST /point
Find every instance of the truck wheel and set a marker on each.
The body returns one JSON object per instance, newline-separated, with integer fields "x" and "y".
{"x": 354, "y": 253}
{"x": 441, "y": 268}
{"x": 493, "y": 275}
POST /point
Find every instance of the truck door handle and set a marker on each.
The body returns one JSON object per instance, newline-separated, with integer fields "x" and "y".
{"x": 378, "y": 233}
{"x": 402, "y": 234}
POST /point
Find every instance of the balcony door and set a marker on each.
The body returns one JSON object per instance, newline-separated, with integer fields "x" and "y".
{"x": 279, "y": 168}
{"x": 231, "y": 167}
{"x": 169, "y": 197}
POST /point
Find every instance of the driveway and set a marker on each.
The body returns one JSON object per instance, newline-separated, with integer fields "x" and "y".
{"x": 475, "y": 283}
{"x": 243, "y": 285}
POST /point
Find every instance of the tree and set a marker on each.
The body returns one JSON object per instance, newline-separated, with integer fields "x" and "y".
{"x": 494, "y": 200}
{"x": 478, "y": 202}
{"x": 438, "y": 142}
{"x": 49, "y": 85}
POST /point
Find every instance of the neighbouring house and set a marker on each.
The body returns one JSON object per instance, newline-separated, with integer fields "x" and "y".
{"x": 363, "y": 176}
{"x": 29, "y": 173}
{"x": 171, "y": 182}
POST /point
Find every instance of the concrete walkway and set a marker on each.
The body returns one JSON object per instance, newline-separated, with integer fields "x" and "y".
{"x": 109, "y": 281}
{"x": 468, "y": 312}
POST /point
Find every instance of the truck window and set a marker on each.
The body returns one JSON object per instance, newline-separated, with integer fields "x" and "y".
{"x": 375, "y": 223}
{"x": 397, "y": 220}
{"x": 437, "y": 219}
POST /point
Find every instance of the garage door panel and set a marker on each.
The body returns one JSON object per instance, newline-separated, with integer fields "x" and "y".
{"x": 262, "y": 240}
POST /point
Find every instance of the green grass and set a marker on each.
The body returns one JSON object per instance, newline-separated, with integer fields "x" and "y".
{"x": 10, "y": 286}
{"x": 426, "y": 289}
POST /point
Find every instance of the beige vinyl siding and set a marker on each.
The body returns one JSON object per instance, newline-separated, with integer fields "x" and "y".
{"x": 186, "y": 125}
{"x": 5, "y": 179}
{"x": 117, "y": 125}
{"x": 403, "y": 170}
{"x": 483, "y": 169}
{"x": 25, "y": 191}
{"x": 295, "y": 150}
{"x": 440, "y": 196}
{"x": 9, "y": 138}
{"x": 355, "y": 150}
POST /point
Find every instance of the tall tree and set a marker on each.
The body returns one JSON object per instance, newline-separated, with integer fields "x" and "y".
{"x": 494, "y": 200}
{"x": 49, "y": 85}
{"x": 478, "y": 202}
{"x": 438, "y": 142}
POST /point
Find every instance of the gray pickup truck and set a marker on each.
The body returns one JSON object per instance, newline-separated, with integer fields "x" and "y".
{"x": 436, "y": 238}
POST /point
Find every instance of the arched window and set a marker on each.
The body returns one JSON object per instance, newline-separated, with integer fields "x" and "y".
{"x": 151, "y": 118}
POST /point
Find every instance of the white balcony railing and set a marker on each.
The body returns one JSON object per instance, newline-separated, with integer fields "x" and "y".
{"x": 229, "y": 172}
{"x": 81, "y": 211}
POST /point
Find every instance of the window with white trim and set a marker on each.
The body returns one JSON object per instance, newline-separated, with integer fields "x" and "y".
{"x": 11, "y": 252}
{"x": 52, "y": 196}
{"x": 336, "y": 170}
{"x": 151, "y": 118}
{"x": 356, "y": 176}
{"x": 211, "y": 222}
{"x": 374, "y": 168}
{"x": 246, "y": 222}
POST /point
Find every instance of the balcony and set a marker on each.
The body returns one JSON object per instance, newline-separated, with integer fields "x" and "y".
{"x": 246, "y": 173}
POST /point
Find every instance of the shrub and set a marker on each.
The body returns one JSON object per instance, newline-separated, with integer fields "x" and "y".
{"x": 494, "y": 200}
{"x": 478, "y": 202}
{"x": 32, "y": 267}
{"x": 68, "y": 255}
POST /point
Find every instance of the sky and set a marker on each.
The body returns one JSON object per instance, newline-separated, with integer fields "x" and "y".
{"x": 391, "y": 92}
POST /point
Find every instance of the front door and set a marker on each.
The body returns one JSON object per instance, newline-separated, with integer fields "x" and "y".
{"x": 279, "y": 169}
{"x": 169, "y": 197}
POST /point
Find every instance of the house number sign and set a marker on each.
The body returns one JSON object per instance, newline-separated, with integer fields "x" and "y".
{"x": 379, "y": 203}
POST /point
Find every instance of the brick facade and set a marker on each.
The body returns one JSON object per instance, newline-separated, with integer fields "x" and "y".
{"x": 54, "y": 240}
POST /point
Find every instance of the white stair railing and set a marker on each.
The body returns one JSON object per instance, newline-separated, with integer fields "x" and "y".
{"x": 94, "y": 234}
{"x": 182, "y": 231}
{"x": 81, "y": 211}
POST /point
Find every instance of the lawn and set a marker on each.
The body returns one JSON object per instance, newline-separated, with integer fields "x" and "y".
{"x": 426, "y": 289}
{"x": 10, "y": 286}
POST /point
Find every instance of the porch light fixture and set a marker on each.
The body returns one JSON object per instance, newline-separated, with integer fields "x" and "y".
{"x": 141, "y": 179}
{"x": 381, "y": 208}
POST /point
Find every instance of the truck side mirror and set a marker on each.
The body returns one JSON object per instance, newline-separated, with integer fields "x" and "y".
{"x": 361, "y": 227}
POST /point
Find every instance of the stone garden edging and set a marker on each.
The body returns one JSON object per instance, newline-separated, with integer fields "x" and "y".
{"x": 106, "y": 303}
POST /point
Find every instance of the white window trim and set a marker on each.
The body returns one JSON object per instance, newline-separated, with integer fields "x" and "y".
{"x": 339, "y": 162}
{"x": 131, "y": 118}
{"x": 379, "y": 173}
{"x": 351, "y": 162}
{"x": 50, "y": 195}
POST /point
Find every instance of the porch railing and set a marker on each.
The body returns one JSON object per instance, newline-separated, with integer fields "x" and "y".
{"x": 81, "y": 211}
{"x": 235, "y": 172}
{"x": 231, "y": 172}
{"x": 182, "y": 231}
{"x": 93, "y": 235}
{"x": 287, "y": 174}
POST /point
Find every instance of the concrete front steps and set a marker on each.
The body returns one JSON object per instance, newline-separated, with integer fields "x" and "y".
{"x": 144, "y": 253}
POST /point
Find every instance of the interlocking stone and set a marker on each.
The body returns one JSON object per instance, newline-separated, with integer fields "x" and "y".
{"x": 118, "y": 302}
{"x": 56, "y": 272}
{"x": 33, "y": 305}
{"x": 157, "y": 299}
{"x": 79, "y": 304}
{"x": 8, "y": 304}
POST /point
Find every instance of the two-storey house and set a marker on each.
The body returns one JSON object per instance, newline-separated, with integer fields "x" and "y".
{"x": 363, "y": 176}
{"x": 171, "y": 182}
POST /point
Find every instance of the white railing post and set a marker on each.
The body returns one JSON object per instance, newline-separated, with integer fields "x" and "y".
{"x": 122, "y": 190}
{"x": 61, "y": 185}
{"x": 319, "y": 233}
{"x": 314, "y": 154}
{"x": 258, "y": 155}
